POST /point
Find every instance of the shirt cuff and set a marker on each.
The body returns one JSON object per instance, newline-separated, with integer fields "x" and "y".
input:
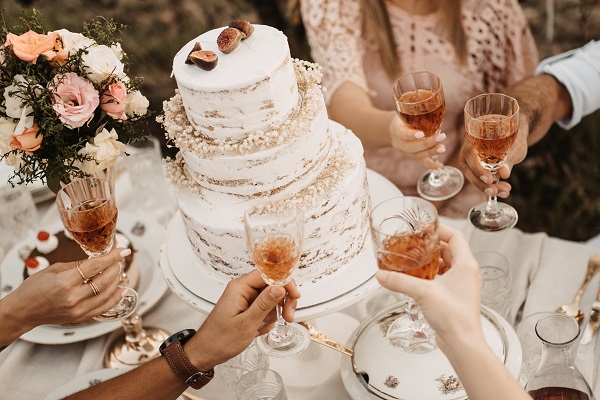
{"x": 579, "y": 71}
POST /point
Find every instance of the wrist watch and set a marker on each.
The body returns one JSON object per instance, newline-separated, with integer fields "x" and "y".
{"x": 172, "y": 350}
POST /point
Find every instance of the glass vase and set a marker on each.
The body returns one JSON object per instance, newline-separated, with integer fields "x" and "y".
{"x": 557, "y": 377}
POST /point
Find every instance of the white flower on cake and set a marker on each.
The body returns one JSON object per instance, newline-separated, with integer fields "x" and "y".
{"x": 104, "y": 150}
{"x": 36, "y": 264}
{"x": 101, "y": 63}
{"x": 136, "y": 104}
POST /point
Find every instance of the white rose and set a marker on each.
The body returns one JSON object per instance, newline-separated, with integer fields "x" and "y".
{"x": 136, "y": 104}
{"x": 104, "y": 150}
{"x": 15, "y": 160}
{"x": 7, "y": 128}
{"x": 118, "y": 50}
{"x": 12, "y": 101}
{"x": 74, "y": 41}
{"x": 101, "y": 63}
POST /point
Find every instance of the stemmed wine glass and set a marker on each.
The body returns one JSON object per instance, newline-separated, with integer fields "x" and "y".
{"x": 88, "y": 211}
{"x": 274, "y": 236}
{"x": 420, "y": 103}
{"x": 405, "y": 239}
{"x": 491, "y": 123}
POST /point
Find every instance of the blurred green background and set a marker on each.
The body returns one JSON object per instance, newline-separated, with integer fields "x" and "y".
{"x": 557, "y": 188}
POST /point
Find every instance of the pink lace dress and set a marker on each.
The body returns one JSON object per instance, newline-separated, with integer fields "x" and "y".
{"x": 501, "y": 51}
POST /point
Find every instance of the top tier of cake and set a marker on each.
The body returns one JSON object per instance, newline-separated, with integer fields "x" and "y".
{"x": 251, "y": 89}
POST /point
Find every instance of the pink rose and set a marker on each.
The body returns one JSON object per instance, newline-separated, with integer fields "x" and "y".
{"x": 29, "y": 140}
{"x": 113, "y": 100}
{"x": 30, "y": 45}
{"x": 75, "y": 99}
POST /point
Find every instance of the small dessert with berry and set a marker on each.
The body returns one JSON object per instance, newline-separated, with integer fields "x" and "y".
{"x": 56, "y": 247}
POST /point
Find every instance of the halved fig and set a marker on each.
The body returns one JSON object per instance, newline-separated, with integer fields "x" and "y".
{"x": 229, "y": 39}
{"x": 205, "y": 59}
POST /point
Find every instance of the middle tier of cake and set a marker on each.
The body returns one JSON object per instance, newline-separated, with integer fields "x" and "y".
{"x": 336, "y": 205}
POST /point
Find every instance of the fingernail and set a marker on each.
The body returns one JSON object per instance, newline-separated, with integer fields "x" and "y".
{"x": 440, "y": 137}
{"x": 441, "y": 149}
{"x": 502, "y": 194}
{"x": 489, "y": 191}
{"x": 484, "y": 178}
{"x": 125, "y": 253}
{"x": 419, "y": 135}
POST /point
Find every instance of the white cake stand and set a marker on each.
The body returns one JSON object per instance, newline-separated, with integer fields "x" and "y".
{"x": 193, "y": 282}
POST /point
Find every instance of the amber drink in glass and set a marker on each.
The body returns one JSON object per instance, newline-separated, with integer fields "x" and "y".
{"x": 420, "y": 103}
{"x": 405, "y": 238}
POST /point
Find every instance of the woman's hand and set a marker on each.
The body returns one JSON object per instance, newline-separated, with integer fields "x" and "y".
{"x": 412, "y": 143}
{"x": 58, "y": 295}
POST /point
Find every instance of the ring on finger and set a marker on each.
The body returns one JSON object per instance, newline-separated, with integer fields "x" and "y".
{"x": 85, "y": 280}
{"x": 94, "y": 287}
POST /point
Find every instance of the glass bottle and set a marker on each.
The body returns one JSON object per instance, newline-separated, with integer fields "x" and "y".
{"x": 557, "y": 377}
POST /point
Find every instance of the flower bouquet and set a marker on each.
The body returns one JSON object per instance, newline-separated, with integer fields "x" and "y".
{"x": 67, "y": 106}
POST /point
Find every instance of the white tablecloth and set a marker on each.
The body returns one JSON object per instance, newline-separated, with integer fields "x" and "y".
{"x": 546, "y": 273}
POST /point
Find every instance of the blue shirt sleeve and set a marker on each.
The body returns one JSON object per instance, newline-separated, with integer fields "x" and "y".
{"x": 579, "y": 71}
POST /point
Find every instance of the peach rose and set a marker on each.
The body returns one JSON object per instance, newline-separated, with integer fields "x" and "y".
{"x": 113, "y": 100}
{"x": 29, "y": 140}
{"x": 30, "y": 45}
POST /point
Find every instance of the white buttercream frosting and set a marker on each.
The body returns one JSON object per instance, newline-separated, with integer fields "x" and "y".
{"x": 42, "y": 263}
{"x": 46, "y": 246}
{"x": 250, "y": 89}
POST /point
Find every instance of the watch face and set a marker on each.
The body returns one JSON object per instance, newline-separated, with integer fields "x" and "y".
{"x": 182, "y": 336}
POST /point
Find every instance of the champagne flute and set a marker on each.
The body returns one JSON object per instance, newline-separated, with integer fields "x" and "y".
{"x": 405, "y": 238}
{"x": 420, "y": 103}
{"x": 491, "y": 123}
{"x": 88, "y": 211}
{"x": 274, "y": 236}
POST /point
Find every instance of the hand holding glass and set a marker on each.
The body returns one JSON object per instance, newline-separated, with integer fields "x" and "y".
{"x": 405, "y": 239}
{"x": 420, "y": 103}
{"x": 492, "y": 122}
{"x": 274, "y": 236}
{"x": 88, "y": 211}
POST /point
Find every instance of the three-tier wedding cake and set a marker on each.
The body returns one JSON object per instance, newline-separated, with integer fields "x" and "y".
{"x": 252, "y": 129}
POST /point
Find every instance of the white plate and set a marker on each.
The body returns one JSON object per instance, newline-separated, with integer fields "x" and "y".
{"x": 151, "y": 287}
{"x": 85, "y": 381}
{"x": 190, "y": 281}
{"x": 422, "y": 376}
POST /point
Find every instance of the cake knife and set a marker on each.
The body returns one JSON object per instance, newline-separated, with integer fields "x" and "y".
{"x": 593, "y": 323}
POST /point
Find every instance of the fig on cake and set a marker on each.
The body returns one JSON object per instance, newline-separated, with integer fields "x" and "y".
{"x": 196, "y": 47}
{"x": 243, "y": 26}
{"x": 229, "y": 39}
{"x": 205, "y": 59}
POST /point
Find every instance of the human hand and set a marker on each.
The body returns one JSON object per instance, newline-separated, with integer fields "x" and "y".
{"x": 482, "y": 178}
{"x": 58, "y": 295}
{"x": 450, "y": 303}
{"x": 413, "y": 144}
{"x": 245, "y": 310}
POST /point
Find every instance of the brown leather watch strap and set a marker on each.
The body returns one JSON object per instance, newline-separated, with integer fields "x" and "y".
{"x": 183, "y": 368}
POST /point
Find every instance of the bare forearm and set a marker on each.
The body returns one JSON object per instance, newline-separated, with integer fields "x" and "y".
{"x": 11, "y": 325}
{"x": 352, "y": 107}
{"x": 542, "y": 100}
{"x": 481, "y": 372}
